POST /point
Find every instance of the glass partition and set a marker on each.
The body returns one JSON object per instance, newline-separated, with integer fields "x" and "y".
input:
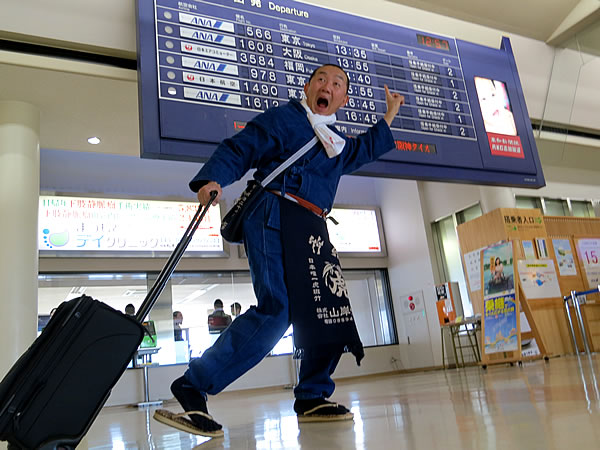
{"x": 181, "y": 317}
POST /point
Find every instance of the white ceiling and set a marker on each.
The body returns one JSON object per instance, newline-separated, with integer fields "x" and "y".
{"x": 537, "y": 19}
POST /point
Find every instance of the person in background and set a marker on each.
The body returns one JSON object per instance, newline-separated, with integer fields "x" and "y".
{"x": 236, "y": 309}
{"x": 177, "y": 321}
{"x": 218, "y": 320}
{"x": 305, "y": 191}
{"x": 130, "y": 310}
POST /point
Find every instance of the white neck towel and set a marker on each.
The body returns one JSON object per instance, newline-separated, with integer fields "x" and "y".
{"x": 333, "y": 143}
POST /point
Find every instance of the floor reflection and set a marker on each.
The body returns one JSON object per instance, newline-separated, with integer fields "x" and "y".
{"x": 537, "y": 406}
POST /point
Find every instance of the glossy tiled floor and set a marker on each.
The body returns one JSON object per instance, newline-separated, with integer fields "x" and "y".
{"x": 554, "y": 405}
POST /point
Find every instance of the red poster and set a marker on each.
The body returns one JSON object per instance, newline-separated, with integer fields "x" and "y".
{"x": 504, "y": 145}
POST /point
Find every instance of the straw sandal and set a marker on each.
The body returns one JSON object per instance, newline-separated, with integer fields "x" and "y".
{"x": 180, "y": 422}
{"x": 326, "y": 412}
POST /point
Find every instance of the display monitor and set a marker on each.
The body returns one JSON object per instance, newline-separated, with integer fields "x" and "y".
{"x": 92, "y": 226}
{"x": 356, "y": 231}
{"x": 150, "y": 340}
{"x": 495, "y": 106}
{"x": 207, "y": 67}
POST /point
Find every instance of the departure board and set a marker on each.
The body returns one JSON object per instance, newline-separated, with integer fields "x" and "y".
{"x": 207, "y": 67}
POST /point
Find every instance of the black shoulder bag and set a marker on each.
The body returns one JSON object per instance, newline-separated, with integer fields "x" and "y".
{"x": 232, "y": 227}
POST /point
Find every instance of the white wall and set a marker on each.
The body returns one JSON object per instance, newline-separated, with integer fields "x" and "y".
{"x": 409, "y": 264}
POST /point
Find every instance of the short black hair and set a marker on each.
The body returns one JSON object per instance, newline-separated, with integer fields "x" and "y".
{"x": 312, "y": 75}
{"x": 218, "y": 303}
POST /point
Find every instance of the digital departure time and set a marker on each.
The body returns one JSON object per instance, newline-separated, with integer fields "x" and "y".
{"x": 433, "y": 42}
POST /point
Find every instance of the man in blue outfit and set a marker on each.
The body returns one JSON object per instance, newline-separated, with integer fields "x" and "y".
{"x": 311, "y": 182}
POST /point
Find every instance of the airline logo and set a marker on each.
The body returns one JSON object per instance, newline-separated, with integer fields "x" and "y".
{"x": 210, "y": 80}
{"x": 209, "y": 66}
{"x": 199, "y": 35}
{"x": 205, "y": 22}
{"x": 212, "y": 96}
{"x": 202, "y": 50}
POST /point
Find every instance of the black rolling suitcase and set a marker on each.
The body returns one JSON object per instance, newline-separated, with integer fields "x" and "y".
{"x": 52, "y": 394}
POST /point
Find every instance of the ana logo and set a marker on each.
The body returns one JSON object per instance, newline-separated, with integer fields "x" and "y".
{"x": 203, "y": 36}
{"x": 202, "y": 22}
{"x": 190, "y": 77}
{"x": 203, "y": 95}
{"x": 188, "y": 47}
{"x": 205, "y": 65}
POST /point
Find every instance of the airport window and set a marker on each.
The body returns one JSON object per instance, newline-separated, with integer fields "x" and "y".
{"x": 557, "y": 207}
{"x": 470, "y": 213}
{"x": 528, "y": 202}
{"x": 116, "y": 289}
{"x": 447, "y": 250}
{"x": 582, "y": 208}
{"x": 180, "y": 317}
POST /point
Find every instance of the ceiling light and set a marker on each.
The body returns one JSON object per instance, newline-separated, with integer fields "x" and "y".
{"x": 94, "y": 140}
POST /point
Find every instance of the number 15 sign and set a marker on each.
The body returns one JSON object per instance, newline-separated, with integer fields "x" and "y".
{"x": 589, "y": 255}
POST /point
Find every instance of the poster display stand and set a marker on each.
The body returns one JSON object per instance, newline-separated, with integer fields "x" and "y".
{"x": 568, "y": 252}
{"x": 500, "y": 328}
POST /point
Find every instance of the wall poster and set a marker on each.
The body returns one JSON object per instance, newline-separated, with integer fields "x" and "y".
{"x": 589, "y": 255}
{"x": 538, "y": 278}
{"x": 564, "y": 257}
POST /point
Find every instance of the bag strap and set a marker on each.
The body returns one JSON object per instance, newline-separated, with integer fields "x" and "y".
{"x": 288, "y": 162}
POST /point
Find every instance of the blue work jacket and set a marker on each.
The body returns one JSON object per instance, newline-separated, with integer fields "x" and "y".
{"x": 273, "y": 136}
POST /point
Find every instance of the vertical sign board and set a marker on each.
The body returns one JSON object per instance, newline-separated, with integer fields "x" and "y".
{"x": 206, "y": 67}
{"x": 500, "y": 323}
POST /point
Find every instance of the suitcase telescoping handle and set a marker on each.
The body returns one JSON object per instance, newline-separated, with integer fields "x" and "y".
{"x": 167, "y": 271}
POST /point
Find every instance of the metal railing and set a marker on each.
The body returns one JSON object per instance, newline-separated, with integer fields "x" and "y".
{"x": 576, "y": 299}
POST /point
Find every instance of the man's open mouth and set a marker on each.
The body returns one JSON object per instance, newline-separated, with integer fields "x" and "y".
{"x": 322, "y": 102}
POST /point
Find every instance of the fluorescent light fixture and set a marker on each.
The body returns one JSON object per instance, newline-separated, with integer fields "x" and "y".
{"x": 94, "y": 140}
{"x": 198, "y": 293}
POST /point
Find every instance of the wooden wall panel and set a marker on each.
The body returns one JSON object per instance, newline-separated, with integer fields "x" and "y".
{"x": 585, "y": 226}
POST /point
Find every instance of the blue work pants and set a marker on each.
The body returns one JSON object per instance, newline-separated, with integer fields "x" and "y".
{"x": 253, "y": 334}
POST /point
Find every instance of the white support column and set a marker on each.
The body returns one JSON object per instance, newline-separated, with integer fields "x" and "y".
{"x": 493, "y": 197}
{"x": 19, "y": 196}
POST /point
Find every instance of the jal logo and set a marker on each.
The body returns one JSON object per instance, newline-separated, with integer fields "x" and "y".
{"x": 188, "y": 47}
{"x": 191, "y": 77}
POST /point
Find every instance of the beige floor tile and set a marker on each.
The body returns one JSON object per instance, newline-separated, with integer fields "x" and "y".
{"x": 552, "y": 405}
